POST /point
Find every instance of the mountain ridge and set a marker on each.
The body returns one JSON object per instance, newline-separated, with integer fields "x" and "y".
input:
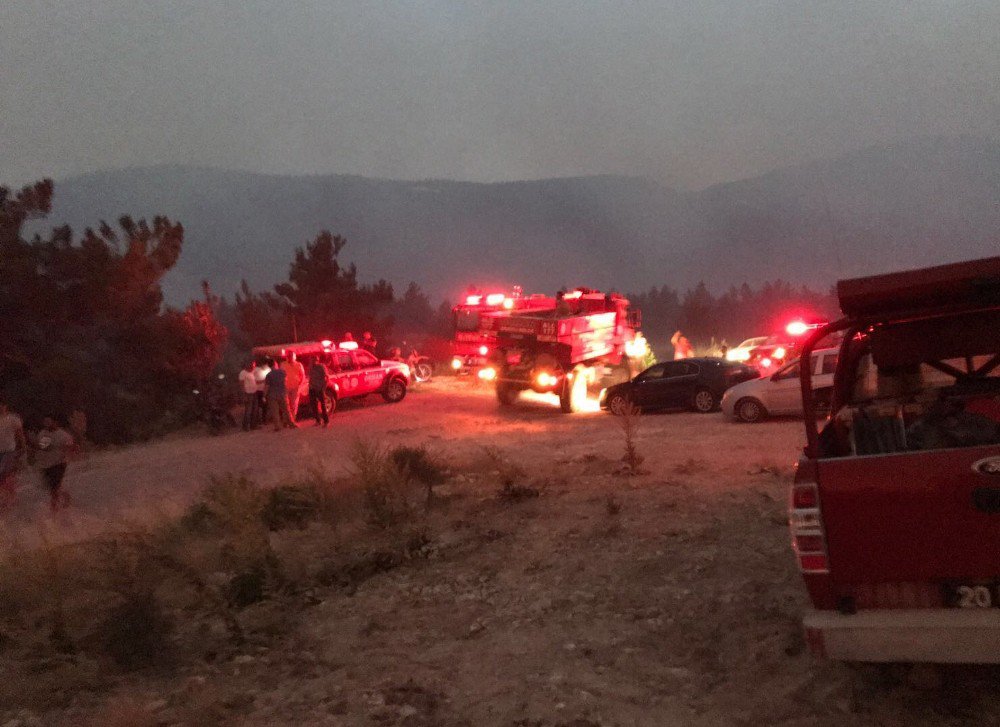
{"x": 923, "y": 201}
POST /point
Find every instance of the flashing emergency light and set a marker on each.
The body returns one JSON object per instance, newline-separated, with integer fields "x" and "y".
{"x": 766, "y": 363}
{"x": 508, "y": 303}
{"x": 325, "y": 343}
{"x": 473, "y": 299}
{"x": 483, "y": 350}
{"x": 797, "y": 328}
{"x": 349, "y": 346}
{"x": 494, "y": 299}
{"x": 573, "y": 295}
{"x": 487, "y": 374}
{"x": 456, "y": 363}
{"x": 779, "y": 352}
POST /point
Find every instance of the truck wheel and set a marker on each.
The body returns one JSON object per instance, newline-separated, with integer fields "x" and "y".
{"x": 331, "y": 401}
{"x": 506, "y": 394}
{"x": 704, "y": 401}
{"x": 394, "y": 390}
{"x": 574, "y": 390}
{"x": 750, "y": 411}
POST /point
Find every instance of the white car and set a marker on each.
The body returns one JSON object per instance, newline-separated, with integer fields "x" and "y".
{"x": 780, "y": 394}
{"x": 742, "y": 352}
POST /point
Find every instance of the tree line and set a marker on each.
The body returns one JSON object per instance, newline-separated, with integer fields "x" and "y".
{"x": 730, "y": 317}
{"x": 84, "y": 327}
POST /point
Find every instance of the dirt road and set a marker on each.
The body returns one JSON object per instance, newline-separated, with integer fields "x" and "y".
{"x": 667, "y": 598}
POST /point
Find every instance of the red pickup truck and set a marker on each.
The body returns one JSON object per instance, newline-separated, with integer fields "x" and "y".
{"x": 895, "y": 505}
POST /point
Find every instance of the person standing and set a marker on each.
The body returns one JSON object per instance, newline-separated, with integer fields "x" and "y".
{"x": 277, "y": 398}
{"x": 12, "y": 447}
{"x": 369, "y": 343}
{"x": 259, "y": 374}
{"x": 318, "y": 378}
{"x": 295, "y": 376}
{"x": 682, "y": 346}
{"x": 52, "y": 449}
{"x": 248, "y": 383}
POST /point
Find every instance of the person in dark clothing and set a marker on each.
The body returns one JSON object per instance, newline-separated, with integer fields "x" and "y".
{"x": 318, "y": 377}
{"x": 369, "y": 343}
{"x": 53, "y": 446}
{"x": 277, "y": 399}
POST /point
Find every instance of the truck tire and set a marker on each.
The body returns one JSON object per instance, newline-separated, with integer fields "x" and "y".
{"x": 394, "y": 390}
{"x": 574, "y": 386}
{"x": 704, "y": 401}
{"x": 506, "y": 394}
{"x": 750, "y": 410}
{"x": 331, "y": 401}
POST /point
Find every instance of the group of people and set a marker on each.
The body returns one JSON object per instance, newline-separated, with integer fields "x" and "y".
{"x": 48, "y": 450}
{"x": 272, "y": 389}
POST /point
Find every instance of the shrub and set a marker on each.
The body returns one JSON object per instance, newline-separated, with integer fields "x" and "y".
{"x": 136, "y": 631}
{"x": 629, "y": 422}
{"x": 382, "y": 484}
{"x": 416, "y": 463}
{"x": 290, "y": 506}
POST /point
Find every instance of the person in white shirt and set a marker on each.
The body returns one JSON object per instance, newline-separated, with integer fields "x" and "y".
{"x": 248, "y": 383}
{"x": 12, "y": 447}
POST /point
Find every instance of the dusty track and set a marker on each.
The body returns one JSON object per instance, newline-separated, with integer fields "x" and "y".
{"x": 668, "y": 598}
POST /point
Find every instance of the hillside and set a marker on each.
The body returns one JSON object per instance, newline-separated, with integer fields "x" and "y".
{"x": 924, "y": 201}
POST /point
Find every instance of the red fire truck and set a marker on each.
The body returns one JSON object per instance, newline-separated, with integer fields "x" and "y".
{"x": 473, "y": 337}
{"x": 588, "y": 339}
{"x": 895, "y": 506}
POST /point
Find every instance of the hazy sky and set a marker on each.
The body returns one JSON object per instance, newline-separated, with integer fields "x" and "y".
{"x": 689, "y": 93}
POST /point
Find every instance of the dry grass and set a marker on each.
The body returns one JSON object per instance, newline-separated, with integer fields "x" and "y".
{"x": 629, "y": 421}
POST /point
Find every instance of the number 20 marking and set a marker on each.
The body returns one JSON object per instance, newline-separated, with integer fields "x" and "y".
{"x": 974, "y": 597}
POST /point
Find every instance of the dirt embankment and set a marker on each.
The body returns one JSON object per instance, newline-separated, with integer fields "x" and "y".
{"x": 542, "y": 587}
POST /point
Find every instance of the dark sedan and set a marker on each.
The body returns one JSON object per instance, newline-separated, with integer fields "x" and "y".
{"x": 691, "y": 383}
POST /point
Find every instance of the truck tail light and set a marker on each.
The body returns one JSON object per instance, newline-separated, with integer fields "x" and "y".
{"x": 806, "y": 522}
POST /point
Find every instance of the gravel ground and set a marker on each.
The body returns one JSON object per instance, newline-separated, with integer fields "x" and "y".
{"x": 594, "y": 598}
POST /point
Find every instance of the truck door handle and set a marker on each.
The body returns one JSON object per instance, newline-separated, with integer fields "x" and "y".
{"x": 986, "y": 499}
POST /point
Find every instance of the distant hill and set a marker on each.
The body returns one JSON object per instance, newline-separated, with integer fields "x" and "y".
{"x": 909, "y": 204}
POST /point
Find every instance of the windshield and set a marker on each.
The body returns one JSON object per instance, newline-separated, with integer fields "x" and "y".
{"x": 919, "y": 385}
{"x": 751, "y": 342}
{"x": 466, "y": 320}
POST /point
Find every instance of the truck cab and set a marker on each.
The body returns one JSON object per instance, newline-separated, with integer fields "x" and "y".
{"x": 895, "y": 505}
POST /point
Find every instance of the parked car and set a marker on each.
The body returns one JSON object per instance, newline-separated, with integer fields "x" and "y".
{"x": 354, "y": 372}
{"x": 780, "y": 394}
{"x": 691, "y": 383}
{"x": 895, "y": 504}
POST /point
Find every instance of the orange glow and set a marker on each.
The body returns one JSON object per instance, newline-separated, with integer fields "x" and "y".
{"x": 545, "y": 379}
{"x": 494, "y": 299}
{"x": 487, "y": 374}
